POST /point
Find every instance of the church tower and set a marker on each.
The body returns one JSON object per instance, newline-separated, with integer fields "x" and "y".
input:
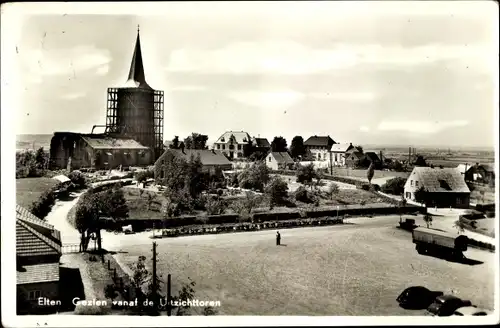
{"x": 135, "y": 110}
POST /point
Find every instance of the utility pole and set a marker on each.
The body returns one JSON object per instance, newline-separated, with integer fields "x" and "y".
{"x": 169, "y": 297}
{"x": 155, "y": 282}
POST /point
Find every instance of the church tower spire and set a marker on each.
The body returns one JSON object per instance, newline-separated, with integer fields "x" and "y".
{"x": 136, "y": 74}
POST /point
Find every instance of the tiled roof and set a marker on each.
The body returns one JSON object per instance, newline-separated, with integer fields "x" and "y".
{"x": 261, "y": 142}
{"x": 30, "y": 274}
{"x": 356, "y": 154}
{"x": 34, "y": 236}
{"x": 112, "y": 143}
{"x": 282, "y": 157}
{"x": 238, "y": 137}
{"x": 207, "y": 157}
{"x": 441, "y": 180}
{"x": 341, "y": 148}
{"x": 321, "y": 141}
{"x": 488, "y": 168}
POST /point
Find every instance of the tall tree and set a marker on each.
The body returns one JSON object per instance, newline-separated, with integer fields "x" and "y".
{"x": 420, "y": 161}
{"x": 297, "y": 148}
{"x": 175, "y": 143}
{"x": 279, "y": 145}
{"x": 196, "y": 141}
{"x": 370, "y": 172}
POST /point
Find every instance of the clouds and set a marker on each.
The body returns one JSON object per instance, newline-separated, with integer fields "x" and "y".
{"x": 289, "y": 57}
{"x": 420, "y": 127}
{"x": 42, "y": 63}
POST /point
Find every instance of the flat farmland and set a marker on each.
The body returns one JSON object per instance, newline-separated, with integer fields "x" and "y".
{"x": 354, "y": 269}
{"x": 29, "y": 190}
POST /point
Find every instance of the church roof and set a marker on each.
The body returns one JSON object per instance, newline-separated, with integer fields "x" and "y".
{"x": 136, "y": 76}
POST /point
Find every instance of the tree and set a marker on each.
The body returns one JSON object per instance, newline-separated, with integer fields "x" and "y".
{"x": 394, "y": 186}
{"x": 244, "y": 206}
{"x": 428, "y": 219}
{"x": 41, "y": 159}
{"x": 87, "y": 215}
{"x": 297, "y": 148}
{"x": 78, "y": 179}
{"x": 370, "y": 172}
{"x": 421, "y": 196}
{"x": 196, "y": 141}
{"x": 279, "y": 145}
{"x": 306, "y": 174}
{"x": 277, "y": 191}
{"x": 460, "y": 225}
{"x": 420, "y": 161}
{"x": 175, "y": 143}
{"x": 333, "y": 190}
{"x": 254, "y": 177}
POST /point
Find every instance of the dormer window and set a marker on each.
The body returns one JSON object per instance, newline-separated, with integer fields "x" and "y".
{"x": 244, "y": 139}
{"x": 222, "y": 139}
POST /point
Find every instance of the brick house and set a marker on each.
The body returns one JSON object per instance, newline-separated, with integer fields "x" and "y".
{"x": 279, "y": 161}
{"x": 319, "y": 147}
{"x": 233, "y": 143}
{"x": 445, "y": 187}
{"x": 212, "y": 161}
{"x": 38, "y": 251}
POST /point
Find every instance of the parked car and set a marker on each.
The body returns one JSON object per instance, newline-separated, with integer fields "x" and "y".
{"x": 417, "y": 297}
{"x": 446, "y": 305}
{"x": 470, "y": 310}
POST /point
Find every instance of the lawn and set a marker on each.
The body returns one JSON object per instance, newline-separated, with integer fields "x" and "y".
{"x": 353, "y": 269}
{"x": 29, "y": 190}
{"x": 361, "y": 173}
{"x": 486, "y": 227}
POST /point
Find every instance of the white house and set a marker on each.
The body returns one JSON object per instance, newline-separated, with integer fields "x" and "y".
{"x": 338, "y": 153}
{"x": 232, "y": 143}
{"x": 320, "y": 146}
{"x": 279, "y": 161}
{"x": 445, "y": 187}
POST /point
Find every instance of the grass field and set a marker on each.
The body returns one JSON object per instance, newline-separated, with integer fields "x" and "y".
{"x": 29, "y": 190}
{"x": 353, "y": 269}
{"x": 361, "y": 173}
{"x": 487, "y": 226}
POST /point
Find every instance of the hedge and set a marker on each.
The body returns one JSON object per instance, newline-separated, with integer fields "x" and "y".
{"x": 43, "y": 205}
{"x": 480, "y": 244}
{"x": 279, "y": 216}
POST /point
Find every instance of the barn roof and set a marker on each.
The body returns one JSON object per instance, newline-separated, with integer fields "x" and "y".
{"x": 441, "y": 180}
{"x": 112, "y": 143}
{"x": 341, "y": 148}
{"x": 319, "y": 141}
{"x": 261, "y": 142}
{"x": 207, "y": 157}
{"x": 282, "y": 157}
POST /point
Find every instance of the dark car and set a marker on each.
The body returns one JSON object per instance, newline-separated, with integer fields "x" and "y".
{"x": 417, "y": 297}
{"x": 446, "y": 305}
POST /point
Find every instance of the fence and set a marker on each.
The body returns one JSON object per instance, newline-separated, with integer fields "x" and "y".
{"x": 75, "y": 248}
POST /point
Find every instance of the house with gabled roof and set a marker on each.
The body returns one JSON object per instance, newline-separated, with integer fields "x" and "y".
{"x": 279, "y": 161}
{"x": 480, "y": 173}
{"x": 445, "y": 187}
{"x": 212, "y": 161}
{"x": 338, "y": 153}
{"x": 319, "y": 147}
{"x": 261, "y": 144}
{"x": 38, "y": 250}
{"x": 233, "y": 143}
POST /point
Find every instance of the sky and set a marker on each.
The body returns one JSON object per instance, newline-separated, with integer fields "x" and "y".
{"x": 392, "y": 73}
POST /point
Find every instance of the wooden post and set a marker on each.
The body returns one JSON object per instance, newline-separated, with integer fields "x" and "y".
{"x": 109, "y": 265}
{"x": 169, "y": 298}
{"x": 154, "y": 283}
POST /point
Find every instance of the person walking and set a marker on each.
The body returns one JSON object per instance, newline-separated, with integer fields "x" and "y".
{"x": 278, "y": 238}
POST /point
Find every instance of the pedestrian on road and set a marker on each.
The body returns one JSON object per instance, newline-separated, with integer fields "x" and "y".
{"x": 278, "y": 238}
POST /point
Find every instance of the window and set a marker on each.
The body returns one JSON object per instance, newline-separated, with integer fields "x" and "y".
{"x": 319, "y": 157}
{"x": 240, "y": 154}
{"x": 231, "y": 147}
{"x": 411, "y": 183}
{"x": 223, "y": 146}
{"x": 335, "y": 156}
{"x": 459, "y": 201}
{"x": 222, "y": 139}
{"x": 239, "y": 147}
{"x": 35, "y": 294}
{"x": 416, "y": 183}
{"x": 270, "y": 159}
{"x": 218, "y": 146}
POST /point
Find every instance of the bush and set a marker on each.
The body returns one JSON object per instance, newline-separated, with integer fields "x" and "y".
{"x": 78, "y": 179}
{"x": 394, "y": 186}
{"x": 142, "y": 176}
{"x": 302, "y": 195}
{"x": 277, "y": 191}
{"x": 215, "y": 206}
{"x": 305, "y": 174}
{"x": 43, "y": 205}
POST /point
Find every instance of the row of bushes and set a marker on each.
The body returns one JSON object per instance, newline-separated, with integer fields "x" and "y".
{"x": 480, "y": 244}
{"x": 244, "y": 226}
{"x": 43, "y": 205}
{"x": 183, "y": 221}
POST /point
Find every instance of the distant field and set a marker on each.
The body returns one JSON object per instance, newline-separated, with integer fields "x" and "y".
{"x": 33, "y": 141}
{"x": 29, "y": 190}
{"x": 347, "y": 172}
